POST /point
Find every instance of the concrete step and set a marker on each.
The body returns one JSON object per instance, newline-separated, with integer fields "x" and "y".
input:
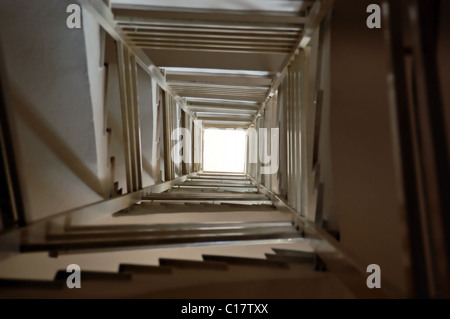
{"x": 144, "y": 269}
{"x": 192, "y": 264}
{"x": 62, "y": 275}
{"x": 254, "y": 262}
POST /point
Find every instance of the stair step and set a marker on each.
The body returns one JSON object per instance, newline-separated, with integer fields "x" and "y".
{"x": 293, "y": 253}
{"x": 192, "y": 264}
{"x": 215, "y": 201}
{"x": 24, "y": 283}
{"x": 222, "y": 176}
{"x": 143, "y": 269}
{"x": 175, "y": 232}
{"x": 215, "y": 184}
{"x": 220, "y": 188}
{"x": 206, "y": 196}
{"x": 291, "y": 259}
{"x": 220, "y": 181}
{"x": 158, "y": 228}
{"x": 146, "y": 208}
{"x": 244, "y": 261}
{"x": 94, "y": 275}
{"x": 117, "y": 243}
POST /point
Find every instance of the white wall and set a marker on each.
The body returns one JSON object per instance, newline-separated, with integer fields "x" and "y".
{"x": 114, "y": 123}
{"x": 147, "y": 116}
{"x": 51, "y": 109}
{"x": 96, "y": 73}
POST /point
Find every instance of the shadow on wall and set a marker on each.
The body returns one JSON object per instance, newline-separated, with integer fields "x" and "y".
{"x": 59, "y": 147}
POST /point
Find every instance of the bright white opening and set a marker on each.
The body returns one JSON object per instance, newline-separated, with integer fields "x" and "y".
{"x": 224, "y": 150}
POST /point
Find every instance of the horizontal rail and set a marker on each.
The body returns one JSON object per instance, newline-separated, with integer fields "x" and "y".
{"x": 158, "y": 241}
{"x": 11, "y": 240}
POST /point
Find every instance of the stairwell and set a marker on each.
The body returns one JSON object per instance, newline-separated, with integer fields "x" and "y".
{"x": 211, "y": 236}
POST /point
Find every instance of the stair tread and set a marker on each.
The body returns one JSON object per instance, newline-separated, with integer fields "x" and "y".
{"x": 30, "y": 283}
{"x": 291, "y": 259}
{"x": 178, "y": 233}
{"x": 233, "y": 260}
{"x": 206, "y": 196}
{"x": 291, "y": 252}
{"x": 193, "y": 264}
{"x": 215, "y": 184}
{"x": 147, "y": 208}
{"x": 178, "y": 226}
{"x": 156, "y": 241}
{"x": 144, "y": 269}
{"x": 94, "y": 275}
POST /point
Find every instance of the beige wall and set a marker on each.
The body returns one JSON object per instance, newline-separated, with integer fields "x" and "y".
{"x": 51, "y": 107}
{"x": 444, "y": 62}
{"x": 60, "y": 112}
{"x": 361, "y": 143}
